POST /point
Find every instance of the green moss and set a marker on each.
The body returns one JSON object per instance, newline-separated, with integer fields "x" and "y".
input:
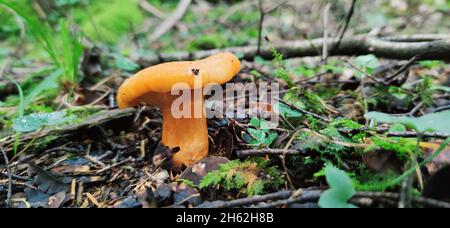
{"x": 251, "y": 177}
{"x": 401, "y": 146}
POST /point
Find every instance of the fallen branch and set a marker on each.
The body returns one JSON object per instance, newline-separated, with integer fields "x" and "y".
{"x": 435, "y": 49}
{"x": 305, "y": 196}
{"x": 246, "y": 201}
{"x": 65, "y": 131}
{"x": 170, "y": 21}
{"x": 285, "y": 198}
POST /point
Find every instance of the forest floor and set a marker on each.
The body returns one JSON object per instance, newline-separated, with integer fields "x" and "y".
{"x": 358, "y": 127}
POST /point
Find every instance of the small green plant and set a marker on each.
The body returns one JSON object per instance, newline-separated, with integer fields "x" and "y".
{"x": 63, "y": 47}
{"x": 341, "y": 189}
{"x": 125, "y": 63}
{"x": 249, "y": 177}
{"x": 329, "y": 144}
{"x": 281, "y": 69}
{"x": 260, "y": 135}
{"x": 20, "y": 112}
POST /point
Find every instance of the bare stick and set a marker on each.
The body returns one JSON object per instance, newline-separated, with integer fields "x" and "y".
{"x": 326, "y": 14}
{"x": 170, "y": 21}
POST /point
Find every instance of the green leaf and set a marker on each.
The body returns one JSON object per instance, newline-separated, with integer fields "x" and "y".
{"x": 126, "y": 64}
{"x": 431, "y": 122}
{"x": 286, "y": 111}
{"x": 35, "y": 121}
{"x": 341, "y": 189}
{"x": 269, "y": 140}
{"x": 263, "y": 125}
{"x": 254, "y": 122}
{"x": 256, "y": 188}
{"x": 257, "y": 134}
{"x": 443, "y": 88}
{"x": 366, "y": 62}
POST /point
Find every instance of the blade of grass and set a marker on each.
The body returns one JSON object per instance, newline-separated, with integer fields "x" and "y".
{"x": 424, "y": 162}
{"x": 49, "y": 82}
{"x": 21, "y": 112}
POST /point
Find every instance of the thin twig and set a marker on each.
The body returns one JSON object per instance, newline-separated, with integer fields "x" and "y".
{"x": 304, "y": 111}
{"x": 8, "y": 169}
{"x": 283, "y": 157}
{"x": 347, "y": 22}
{"x": 402, "y": 69}
{"x": 256, "y": 152}
{"x": 365, "y": 73}
{"x": 114, "y": 165}
{"x": 262, "y": 15}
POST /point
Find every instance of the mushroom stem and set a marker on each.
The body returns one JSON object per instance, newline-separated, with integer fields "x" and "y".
{"x": 188, "y": 133}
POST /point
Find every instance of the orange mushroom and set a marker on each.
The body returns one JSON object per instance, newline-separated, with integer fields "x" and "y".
{"x": 153, "y": 86}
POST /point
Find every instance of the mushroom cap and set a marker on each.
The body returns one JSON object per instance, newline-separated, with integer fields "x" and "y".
{"x": 159, "y": 79}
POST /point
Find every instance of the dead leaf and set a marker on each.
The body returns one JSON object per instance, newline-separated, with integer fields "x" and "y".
{"x": 57, "y": 200}
{"x": 46, "y": 182}
{"x": 439, "y": 162}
